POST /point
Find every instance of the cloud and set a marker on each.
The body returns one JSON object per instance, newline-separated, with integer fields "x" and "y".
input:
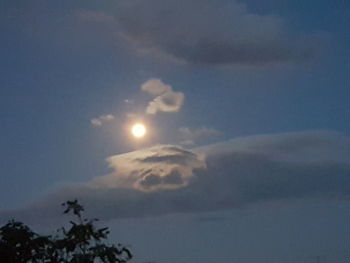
{"x": 211, "y": 32}
{"x": 189, "y": 136}
{"x": 166, "y": 100}
{"x": 158, "y": 167}
{"x": 102, "y": 119}
{"x": 98, "y": 17}
{"x": 236, "y": 173}
{"x": 155, "y": 87}
{"x": 208, "y": 32}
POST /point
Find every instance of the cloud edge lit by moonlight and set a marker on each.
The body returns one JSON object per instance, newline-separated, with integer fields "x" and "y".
{"x": 170, "y": 179}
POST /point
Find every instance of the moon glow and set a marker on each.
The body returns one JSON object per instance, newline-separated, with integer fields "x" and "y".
{"x": 138, "y": 130}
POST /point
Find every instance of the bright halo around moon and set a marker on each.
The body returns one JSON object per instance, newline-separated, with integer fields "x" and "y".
{"x": 138, "y": 130}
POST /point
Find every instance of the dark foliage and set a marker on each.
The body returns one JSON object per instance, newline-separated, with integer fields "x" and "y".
{"x": 82, "y": 242}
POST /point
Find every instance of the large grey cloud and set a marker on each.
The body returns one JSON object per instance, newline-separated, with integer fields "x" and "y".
{"x": 236, "y": 173}
{"x": 208, "y": 32}
{"x": 215, "y": 32}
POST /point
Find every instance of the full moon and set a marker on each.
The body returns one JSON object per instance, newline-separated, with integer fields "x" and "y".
{"x": 138, "y": 130}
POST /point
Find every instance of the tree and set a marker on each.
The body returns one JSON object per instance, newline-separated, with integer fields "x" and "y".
{"x": 82, "y": 242}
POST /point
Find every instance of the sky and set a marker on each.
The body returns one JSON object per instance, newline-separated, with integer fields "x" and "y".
{"x": 245, "y": 102}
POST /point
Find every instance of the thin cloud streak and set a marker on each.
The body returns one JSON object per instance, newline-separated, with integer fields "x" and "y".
{"x": 97, "y": 122}
{"x": 190, "y": 136}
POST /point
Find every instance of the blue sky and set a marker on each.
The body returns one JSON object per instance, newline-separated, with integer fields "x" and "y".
{"x": 245, "y": 68}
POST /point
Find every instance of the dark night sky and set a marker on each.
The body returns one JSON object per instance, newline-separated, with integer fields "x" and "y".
{"x": 266, "y": 81}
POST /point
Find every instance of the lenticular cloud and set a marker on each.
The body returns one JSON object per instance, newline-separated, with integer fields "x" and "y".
{"x": 155, "y": 168}
{"x": 237, "y": 173}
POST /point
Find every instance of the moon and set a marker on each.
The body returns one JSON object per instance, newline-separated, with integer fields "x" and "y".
{"x": 138, "y": 130}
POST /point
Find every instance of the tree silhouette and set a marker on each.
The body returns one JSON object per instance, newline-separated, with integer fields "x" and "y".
{"x": 82, "y": 242}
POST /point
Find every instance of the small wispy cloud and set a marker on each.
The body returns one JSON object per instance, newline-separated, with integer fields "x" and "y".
{"x": 97, "y": 122}
{"x": 165, "y": 99}
{"x": 190, "y": 136}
